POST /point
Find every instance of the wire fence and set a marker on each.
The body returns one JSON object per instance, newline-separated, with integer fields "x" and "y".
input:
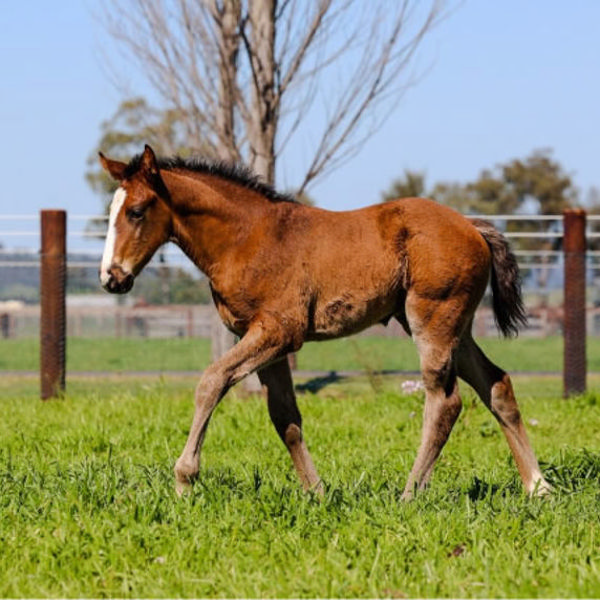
{"x": 83, "y": 243}
{"x": 96, "y": 238}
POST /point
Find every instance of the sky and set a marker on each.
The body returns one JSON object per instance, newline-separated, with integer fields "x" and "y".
{"x": 501, "y": 78}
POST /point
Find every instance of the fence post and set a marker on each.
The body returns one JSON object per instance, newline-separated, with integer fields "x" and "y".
{"x": 6, "y": 325}
{"x": 53, "y": 280}
{"x": 574, "y": 247}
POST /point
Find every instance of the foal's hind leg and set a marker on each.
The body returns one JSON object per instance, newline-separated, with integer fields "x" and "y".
{"x": 285, "y": 415}
{"x": 442, "y": 407}
{"x": 435, "y": 341}
{"x": 494, "y": 387}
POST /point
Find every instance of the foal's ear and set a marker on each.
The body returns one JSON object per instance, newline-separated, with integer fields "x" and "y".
{"x": 148, "y": 164}
{"x": 114, "y": 167}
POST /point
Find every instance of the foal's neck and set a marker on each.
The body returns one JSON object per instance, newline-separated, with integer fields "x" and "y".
{"x": 211, "y": 216}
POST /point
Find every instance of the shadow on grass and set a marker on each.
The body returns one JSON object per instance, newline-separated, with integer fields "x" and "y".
{"x": 318, "y": 383}
{"x": 482, "y": 490}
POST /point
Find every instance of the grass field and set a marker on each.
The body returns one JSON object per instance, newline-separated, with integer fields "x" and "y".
{"x": 363, "y": 353}
{"x": 87, "y": 507}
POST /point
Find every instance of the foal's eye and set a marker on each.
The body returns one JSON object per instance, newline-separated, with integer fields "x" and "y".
{"x": 135, "y": 213}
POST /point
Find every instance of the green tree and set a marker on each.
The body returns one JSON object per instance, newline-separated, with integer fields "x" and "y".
{"x": 541, "y": 179}
{"x": 534, "y": 185}
{"x": 489, "y": 195}
{"x": 458, "y": 196}
{"x": 410, "y": 185}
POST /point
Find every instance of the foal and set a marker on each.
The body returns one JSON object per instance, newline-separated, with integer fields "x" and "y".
{"x": 282, "y": 273}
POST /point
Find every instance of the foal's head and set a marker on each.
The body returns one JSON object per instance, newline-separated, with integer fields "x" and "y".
{"x": 139, "y": 221}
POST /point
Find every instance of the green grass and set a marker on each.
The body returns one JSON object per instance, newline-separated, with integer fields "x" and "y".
{"x": 364, "y": 353}
{"x": 87, "y": 507}
{"x": 112, "y": 354}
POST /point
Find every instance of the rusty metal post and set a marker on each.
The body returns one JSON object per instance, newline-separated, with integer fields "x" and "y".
{"x": 5, "y": 325}
{"x": 574, "y": 247}
{"x": 53, "y": 281}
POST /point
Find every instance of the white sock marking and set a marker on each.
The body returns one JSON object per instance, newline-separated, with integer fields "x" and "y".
{"x": 111, "y": 235}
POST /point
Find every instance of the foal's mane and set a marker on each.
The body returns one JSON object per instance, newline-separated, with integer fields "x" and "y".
{"x": 236, "y": 173}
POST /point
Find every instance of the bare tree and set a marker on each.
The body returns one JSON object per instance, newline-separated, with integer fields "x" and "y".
{"x": 245, "y": 74}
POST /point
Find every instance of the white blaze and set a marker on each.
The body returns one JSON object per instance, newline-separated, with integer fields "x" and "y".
{"x": 111, "y": 235}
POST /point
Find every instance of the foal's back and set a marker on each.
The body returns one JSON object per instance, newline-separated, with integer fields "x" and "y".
{"x": 383, "y": 234}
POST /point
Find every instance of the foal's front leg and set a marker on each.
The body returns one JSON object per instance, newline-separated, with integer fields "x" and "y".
{"x": 259, "y": 346}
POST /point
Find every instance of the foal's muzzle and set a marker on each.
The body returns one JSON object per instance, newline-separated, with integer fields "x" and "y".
{"x": 117, "y": 281}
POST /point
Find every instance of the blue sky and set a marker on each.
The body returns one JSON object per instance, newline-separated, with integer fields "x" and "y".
{"x": 503, "y": 78}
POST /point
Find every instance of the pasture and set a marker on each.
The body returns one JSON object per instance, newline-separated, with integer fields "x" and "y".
{"x": 355, "y": 353}
{"x": 87, "y": 507}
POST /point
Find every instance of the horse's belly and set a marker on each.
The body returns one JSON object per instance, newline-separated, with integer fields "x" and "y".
{"x": 347, "y": 315}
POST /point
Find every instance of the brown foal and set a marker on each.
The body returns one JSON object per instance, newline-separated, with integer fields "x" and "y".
{"x": 282, "y": 273}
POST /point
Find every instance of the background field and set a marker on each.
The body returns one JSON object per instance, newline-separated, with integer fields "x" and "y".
{"x": 356, "y": 353}
{"x": 87, "y": 507}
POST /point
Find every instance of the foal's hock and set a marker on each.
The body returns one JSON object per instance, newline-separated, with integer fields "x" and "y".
{"x": 282, "y": 273}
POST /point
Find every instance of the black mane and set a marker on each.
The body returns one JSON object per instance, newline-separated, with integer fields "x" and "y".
{"x": 237, "y": 173}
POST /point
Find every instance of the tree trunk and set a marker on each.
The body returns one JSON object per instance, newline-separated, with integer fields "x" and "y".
{"x": 229, "y": 16}
{"x": 221, "y": 339}
{"x": 264, "y": 111}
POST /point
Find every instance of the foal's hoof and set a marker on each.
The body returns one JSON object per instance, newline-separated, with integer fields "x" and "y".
{"x": 541, "y": 488}
{"x": 185, "y": 475}
{"x": 410, "y": 491}
{"x": 316, "y": 489}
{"x": 182, "y": 487}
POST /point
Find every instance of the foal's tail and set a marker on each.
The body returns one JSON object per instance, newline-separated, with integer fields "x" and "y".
{"x": 509, "y": 311}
